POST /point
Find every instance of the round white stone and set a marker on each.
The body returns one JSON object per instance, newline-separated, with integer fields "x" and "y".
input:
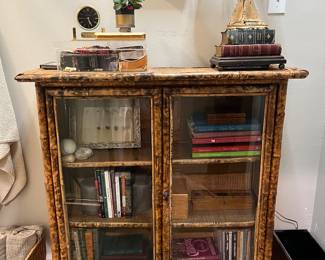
{"x": 68, "y": 146}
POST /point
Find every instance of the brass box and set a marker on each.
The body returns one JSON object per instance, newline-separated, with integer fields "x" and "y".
{"x": 180, "y": 199}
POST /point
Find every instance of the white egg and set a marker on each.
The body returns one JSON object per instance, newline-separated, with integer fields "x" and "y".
{"x": 68, "y": 146}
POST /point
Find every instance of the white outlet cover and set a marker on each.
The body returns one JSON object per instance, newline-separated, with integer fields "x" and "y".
{"x": 277, "y": 6}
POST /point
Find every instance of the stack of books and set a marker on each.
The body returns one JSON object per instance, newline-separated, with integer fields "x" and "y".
{"x": 85, "y": 244}
{"x": 93, "y": 244}
{"x": 247, "y": 43}
{"x": 114, "y": 192}
{"x": 224, "y": 135}
{"x": 235, "y": 244}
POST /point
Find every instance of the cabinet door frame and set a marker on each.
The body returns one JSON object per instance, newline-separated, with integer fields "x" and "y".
{"x": 54, "y": 174}
{"x": 270, "y": 157}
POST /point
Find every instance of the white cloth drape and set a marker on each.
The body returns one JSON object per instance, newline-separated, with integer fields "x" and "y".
{"x": 12, "y": 168}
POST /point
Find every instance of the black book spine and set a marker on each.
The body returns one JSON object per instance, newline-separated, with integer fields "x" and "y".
{"x": 249, "y": 36}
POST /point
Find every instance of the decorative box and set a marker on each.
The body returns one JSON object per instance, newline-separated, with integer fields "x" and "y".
{"x": 124, "y": 52}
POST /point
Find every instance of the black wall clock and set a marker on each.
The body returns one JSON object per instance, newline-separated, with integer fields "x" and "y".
{"x": 88, "y": 18}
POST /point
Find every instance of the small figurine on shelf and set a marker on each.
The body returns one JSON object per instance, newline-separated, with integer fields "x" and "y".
{"x": 70, "y": 151}
{"x": 124, "y": 10}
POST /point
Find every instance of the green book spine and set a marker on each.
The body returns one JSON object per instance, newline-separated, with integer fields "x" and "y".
{"x": 103, "y": 188}
{"x": 225, "y": 154}
{"x": 96, "y": 244}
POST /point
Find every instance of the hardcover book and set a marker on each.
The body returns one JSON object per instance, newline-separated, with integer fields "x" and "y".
{"x": 198, "y": 124}
{"x": 229, "y": 139}
{"x": 195, "y": 249}
{"x": 226, "y": 154}
{"x": 248, "y": 36}
{"x": 234, "y": 148}
{"x": 248, "y": 50}
{"x": 224, "y": 134}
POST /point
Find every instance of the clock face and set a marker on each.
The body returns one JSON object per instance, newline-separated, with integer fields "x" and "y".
{"x": 88, "y": 18}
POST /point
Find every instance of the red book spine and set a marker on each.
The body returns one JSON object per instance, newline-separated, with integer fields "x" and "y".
{"x": 226, "y": 148}
{"x": 230, "y": 139}
{"x": 251, "y": 50}
{"x": 224, "y": 134}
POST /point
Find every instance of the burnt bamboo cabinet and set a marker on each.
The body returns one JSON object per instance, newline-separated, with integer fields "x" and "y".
{"x": 185, "y": 161}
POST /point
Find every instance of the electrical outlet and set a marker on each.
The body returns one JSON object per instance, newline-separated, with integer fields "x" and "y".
{"x": 277, "y": 6}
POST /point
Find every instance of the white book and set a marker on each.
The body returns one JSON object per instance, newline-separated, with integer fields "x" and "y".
{"x": 230, "y": 245}
{"x": 118, "y": 194}
{"x": 109, "y": 194}
{"x": 76, "y": 241}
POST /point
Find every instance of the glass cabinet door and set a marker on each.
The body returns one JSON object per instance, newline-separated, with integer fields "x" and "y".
{"x": 106, "y": 165}
{"x": 216, "y": 148}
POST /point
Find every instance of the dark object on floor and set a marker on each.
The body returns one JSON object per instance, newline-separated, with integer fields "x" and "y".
{"x": 295, "y": 245}
{"x": 246, "y": 63}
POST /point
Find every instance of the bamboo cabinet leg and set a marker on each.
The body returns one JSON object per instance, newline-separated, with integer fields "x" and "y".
{"x": 56, "y": 177}
{"x": 275, "y": 165}
{"x": 40, "y": 95}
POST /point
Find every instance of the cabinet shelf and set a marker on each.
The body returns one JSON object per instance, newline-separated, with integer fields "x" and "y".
{"x": 218, "y": 219}
{"x": 115, "y": 158}
{"x": 141, "y": 221}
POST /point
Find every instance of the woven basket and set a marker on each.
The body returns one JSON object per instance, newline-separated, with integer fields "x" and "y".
{"x": 38, "y": 252}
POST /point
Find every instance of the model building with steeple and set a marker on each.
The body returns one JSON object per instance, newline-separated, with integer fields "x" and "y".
{"x": 247, "y": 43}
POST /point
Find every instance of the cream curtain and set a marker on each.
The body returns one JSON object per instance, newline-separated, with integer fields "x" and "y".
{"x": 12, "y": 168}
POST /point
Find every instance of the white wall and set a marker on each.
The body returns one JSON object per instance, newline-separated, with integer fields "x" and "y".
{"x": 318, "y": 226}
{"x": 180, "y": 33}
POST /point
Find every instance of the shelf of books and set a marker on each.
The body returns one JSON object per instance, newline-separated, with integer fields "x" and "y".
{"x": 106, "y": 158}
{"x": 216, "y": 154}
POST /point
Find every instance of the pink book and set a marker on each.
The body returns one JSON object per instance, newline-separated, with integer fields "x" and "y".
{"x": 195, "y": 249}
{"x": 206, "y": 149}
{"x": 229, "y": 139}
{"x": 224, "y": 134}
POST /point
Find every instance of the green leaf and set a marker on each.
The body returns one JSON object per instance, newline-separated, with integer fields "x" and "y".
{"x": 137, "y": 6}
{"x": 117, "y": 7}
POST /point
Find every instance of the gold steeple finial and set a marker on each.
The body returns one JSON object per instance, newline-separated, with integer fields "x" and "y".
{"x": 245, "y": 16}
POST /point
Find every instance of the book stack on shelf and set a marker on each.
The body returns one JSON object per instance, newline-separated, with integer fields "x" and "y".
{"x": 224, "y": 135}
{"x": 247, "y": 43}
{"x": 114, "y": 192}
{"x": 235, "y": 244}
{"x": 93, "y": 244}
{"x": 223, "y": 245}
{"x": 85, "y": 244}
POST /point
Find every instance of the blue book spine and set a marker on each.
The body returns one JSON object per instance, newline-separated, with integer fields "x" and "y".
{"x": 222, "y": 128}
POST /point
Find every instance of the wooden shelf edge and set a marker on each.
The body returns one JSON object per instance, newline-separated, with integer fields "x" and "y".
{"x": 244, "y": 224}
{"x": 216, "y": 160}
{"x": 106, "y": 164}
{"x": 108, "y": 224}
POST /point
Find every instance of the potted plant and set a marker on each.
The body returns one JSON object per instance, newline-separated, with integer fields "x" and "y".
{"x": 124, "y": 10}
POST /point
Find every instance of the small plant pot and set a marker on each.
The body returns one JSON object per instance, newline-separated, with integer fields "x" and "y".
{"x": 125, "y": 19}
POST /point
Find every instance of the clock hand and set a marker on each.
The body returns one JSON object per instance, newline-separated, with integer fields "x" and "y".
{"x": 91, "y": 24}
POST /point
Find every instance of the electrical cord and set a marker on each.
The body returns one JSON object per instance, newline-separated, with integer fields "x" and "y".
{"x": 286, "y": 220}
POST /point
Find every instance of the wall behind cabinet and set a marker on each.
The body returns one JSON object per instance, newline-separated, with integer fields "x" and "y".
{"x": 180, "y": 33}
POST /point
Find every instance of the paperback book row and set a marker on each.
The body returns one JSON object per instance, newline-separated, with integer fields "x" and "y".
{"x": 114, "y": 193}
{"x": 227, "y": 245}
{"x": 224, "y": 135}
{"x": 94, "y": 244}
